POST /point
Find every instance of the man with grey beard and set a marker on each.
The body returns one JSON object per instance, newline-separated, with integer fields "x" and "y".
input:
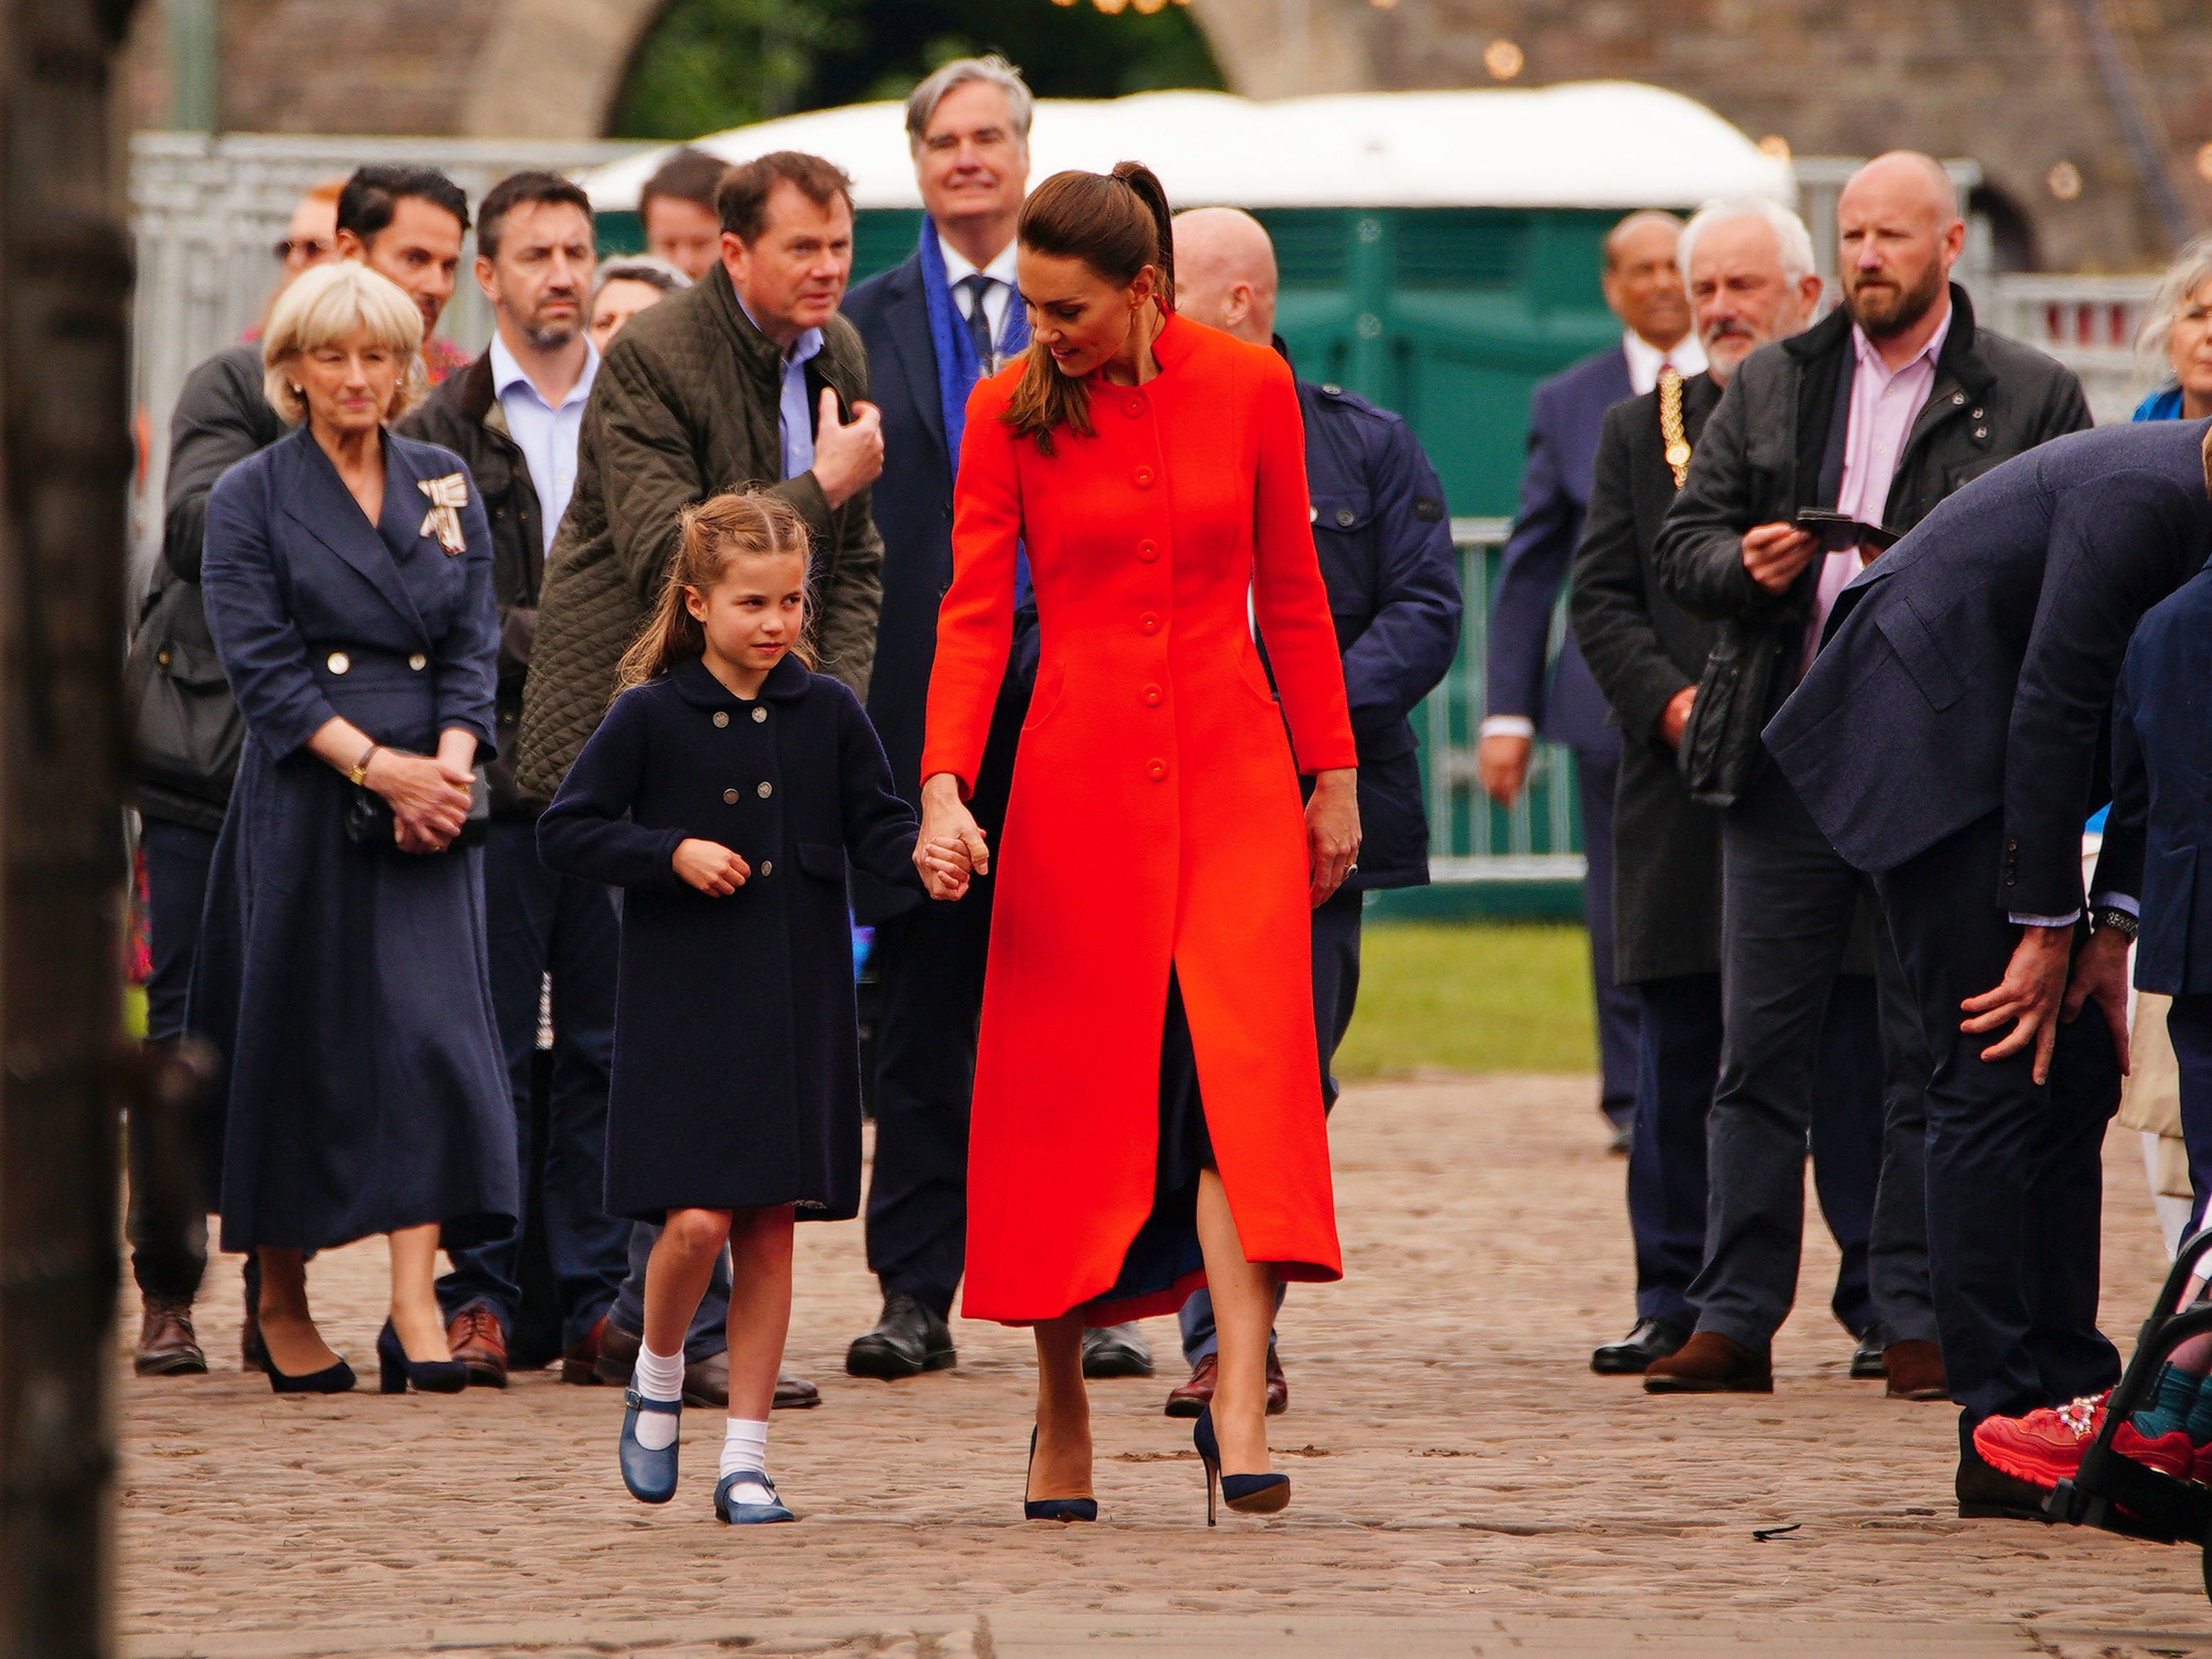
{"x": 1823, "y": 450}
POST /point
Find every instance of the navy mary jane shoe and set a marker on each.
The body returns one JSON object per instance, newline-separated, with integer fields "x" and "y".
{"x": 650, "y": 1475}
{"x": 748, "y": 1515}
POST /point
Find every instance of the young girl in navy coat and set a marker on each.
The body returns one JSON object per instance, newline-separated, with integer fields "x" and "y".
{"x": 724, "y": 792}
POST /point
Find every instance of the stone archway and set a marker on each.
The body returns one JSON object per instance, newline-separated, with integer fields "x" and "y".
{"x": 553, "y": 69}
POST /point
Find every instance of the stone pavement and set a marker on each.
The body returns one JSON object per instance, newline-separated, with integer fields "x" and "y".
{"x": 1464, "y": 1485}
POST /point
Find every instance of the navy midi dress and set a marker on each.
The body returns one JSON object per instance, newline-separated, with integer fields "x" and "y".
{"x": 345, "y": 986}
{"x": 737, "y": 1068}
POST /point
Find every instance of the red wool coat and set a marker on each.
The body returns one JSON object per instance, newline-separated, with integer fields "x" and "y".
{"x": 1154, "y": 817}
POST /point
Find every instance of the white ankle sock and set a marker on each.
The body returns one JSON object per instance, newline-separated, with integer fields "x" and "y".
{"x": 658, "y": 1376}
{"x": 744, "y": 1446}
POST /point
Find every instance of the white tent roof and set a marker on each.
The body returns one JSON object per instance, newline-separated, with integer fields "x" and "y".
{"x": 1590, "y": 144}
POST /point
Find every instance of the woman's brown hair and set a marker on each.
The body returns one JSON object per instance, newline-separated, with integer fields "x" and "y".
{"x": 742, "y": 524}
{"x": 1115, "y": 222}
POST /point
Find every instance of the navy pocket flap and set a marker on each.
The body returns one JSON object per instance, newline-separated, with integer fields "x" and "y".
{"x": 1922, "y": 655}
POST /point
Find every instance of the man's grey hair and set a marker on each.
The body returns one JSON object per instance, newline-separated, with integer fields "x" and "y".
{"x": 1790, "y": 236}
{"x": 921, "y": 103}
{"x": 2191, "y": 270}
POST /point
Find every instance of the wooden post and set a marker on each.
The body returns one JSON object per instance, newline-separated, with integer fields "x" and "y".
{"x": 65, "y": 458}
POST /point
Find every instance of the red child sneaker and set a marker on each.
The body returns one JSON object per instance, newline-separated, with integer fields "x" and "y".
{"x": 2046, "y": 1446}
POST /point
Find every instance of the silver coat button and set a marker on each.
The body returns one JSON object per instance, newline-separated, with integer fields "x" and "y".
{"x": 759, "y": 715}
{"x": 766, "y": 790}
{"x": 1958, "y": 398}
{"x": 729, "y": 798}
{"x": 768, "y": 866}
{"x": 418, "y": 662}
{"x": 722, "y": 717}
{"x": 339, "y": 662}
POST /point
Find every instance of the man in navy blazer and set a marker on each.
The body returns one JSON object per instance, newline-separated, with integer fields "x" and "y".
{"x": 1951, "y": 738}
{"x": 933, "y": 326}
{"x": 1565, "y": 414}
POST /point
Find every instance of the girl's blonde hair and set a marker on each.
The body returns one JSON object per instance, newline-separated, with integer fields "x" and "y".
{"x": 742, "y": 524}
{"x": 324, "y": 306}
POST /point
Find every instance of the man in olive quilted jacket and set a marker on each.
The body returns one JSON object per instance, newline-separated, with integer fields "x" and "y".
{"x": 749, "y": 378}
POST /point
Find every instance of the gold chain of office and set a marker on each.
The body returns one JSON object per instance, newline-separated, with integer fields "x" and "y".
{"x": 1670, "y": 423}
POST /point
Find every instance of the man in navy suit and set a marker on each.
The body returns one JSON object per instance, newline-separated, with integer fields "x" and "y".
{"x": 1565, "y": 414}
{"x": 934, "y": 326}
{"x": 1950, "y": 739}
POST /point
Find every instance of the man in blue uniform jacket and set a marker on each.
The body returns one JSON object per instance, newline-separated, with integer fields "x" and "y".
{"x": 933, "y": 326}
{"x": 1386, "y": 552}
{"x": 1950, "y": 739}
{"x": 1565, "y": 414}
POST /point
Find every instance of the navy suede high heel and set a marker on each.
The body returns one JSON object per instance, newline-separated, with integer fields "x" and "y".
{"x": 1054, "y": 1509}
{"x": 395, "y": 1372}
{"x": 1248, "y": 1494}
{"x": 650, "y": 1475}
{"x": 331, "y": 1379}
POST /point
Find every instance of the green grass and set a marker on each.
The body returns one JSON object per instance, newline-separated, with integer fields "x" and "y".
{"x": 1484, "y": 998}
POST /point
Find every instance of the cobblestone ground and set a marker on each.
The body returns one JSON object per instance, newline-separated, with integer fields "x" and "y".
{"x": 1464, "y": 1485}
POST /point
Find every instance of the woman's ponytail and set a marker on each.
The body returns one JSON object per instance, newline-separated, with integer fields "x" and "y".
{"x": 1146, "y": 185}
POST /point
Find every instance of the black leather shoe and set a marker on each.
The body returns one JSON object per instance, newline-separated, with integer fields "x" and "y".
{"x": 1116, "y": 1350}
{"x": 908, "y": 1340}
{"x": 1865, "y": 1358}
{"x": 1985, "y": 1493}
{"x": 1652, "y": 1339}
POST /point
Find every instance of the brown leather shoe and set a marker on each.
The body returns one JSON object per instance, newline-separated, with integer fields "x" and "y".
{"x": 1195, "y": 1394}
{"x": 580, "y": 1361}
{"x": 1710, "y": 1362}
{"x": 166, "y": 1344}
{"x": 615, "y": 1363}
{"x": 706, "y": 1382}
{"x": 1915, "y": 1370}
{"x": 477, "y": 1342}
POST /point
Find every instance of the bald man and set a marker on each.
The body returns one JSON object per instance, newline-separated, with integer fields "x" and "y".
{"x": 1873, "y": 416}
{"x": 1643, "y": 288}
{"x": 1384, "y": 539}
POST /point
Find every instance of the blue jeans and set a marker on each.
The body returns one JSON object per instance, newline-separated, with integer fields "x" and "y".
{"x": 541, "y": 923}
{"x": 1336, "y": 991}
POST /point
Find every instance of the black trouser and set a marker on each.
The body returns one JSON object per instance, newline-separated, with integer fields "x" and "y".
{"x": 1788, "y": 905}
{"x": 929, "y": 983}
{"x": 1618, "y": 1008}
{"x": 177, "y": 857}
{"x": 539, "y": 923}
{"x": 2016, "y": 1171}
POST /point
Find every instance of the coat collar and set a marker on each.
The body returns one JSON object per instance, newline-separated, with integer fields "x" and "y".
{"x": 786, "y": 682}
{"x": 1962, "y": 359}
{"x": 322, "y": 505}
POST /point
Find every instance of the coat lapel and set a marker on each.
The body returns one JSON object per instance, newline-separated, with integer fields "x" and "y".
{"x": 917, "y": 355}
{"x": 325, "y": 508}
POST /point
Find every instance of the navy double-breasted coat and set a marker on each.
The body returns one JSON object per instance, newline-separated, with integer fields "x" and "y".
{"x": 737, "y": 1068}
{"x": 346, "y": 986}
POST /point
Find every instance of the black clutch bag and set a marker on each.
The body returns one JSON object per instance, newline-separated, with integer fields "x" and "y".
{"x": 369, "y": 823}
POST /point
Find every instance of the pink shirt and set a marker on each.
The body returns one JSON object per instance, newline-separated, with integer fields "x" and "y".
{"x": 1884, "y": 406}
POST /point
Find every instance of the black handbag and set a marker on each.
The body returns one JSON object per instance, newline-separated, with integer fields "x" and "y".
{"x": 369, "y": 823}
{"x": 184, "y": 728}
{"x": 1719, "y": 754}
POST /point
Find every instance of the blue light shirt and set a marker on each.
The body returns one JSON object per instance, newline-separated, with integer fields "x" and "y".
{"x": 546, "y": 435}
{"x": 794, "y": 413}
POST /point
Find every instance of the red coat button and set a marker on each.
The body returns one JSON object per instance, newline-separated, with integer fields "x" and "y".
{"x": 1154, "y": 696}
{"x": 1149, "y": 621}
{"x": 1133, "y": 407}
{"x": 1155, "y": 770}
{"x": 1144, "y": 477}
{"x": 1148, "y": 551}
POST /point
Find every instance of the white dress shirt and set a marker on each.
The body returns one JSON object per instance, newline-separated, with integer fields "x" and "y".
{"x": 996, "y": 298}
{"x": 546, "y": 434}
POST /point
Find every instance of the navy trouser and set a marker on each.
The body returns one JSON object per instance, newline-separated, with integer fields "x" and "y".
{"x": 1336, "y": 991}
{"x": 2188, "y": 1023}
{"x": 1618, "y": 1008}
{"x": 1679, "y": 1053}
{"x": 710, "y": 1326}
{"x": 539, "y": 924}
{"x": 929, "y": 967}
{"x": 178, "y": 858}
{"x": 2015, "y": 1168}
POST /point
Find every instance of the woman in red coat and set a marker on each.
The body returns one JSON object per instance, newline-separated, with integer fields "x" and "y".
{"x": 1147, "y": 1112}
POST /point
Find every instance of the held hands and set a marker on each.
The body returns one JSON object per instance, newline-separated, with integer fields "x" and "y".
{"x": 1333, "y": 831}
{"x": 2038, "y": 992}
{"x": 950, "y": 846}
{"x": 1675, "y": 718}
{"x": 945, "y": 867}
{"x": 1501, "y": 762}
{"x": 711, "y": 868}
{"x": 1774, "y": 554}
{"x": 846, "y": 458}
{"x": 429, "y": 796}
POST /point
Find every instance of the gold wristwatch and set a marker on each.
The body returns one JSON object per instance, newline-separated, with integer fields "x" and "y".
{"x": 359, "y": 775}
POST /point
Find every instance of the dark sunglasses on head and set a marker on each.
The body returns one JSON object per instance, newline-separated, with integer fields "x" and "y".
{"x": 307, "y": 248}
